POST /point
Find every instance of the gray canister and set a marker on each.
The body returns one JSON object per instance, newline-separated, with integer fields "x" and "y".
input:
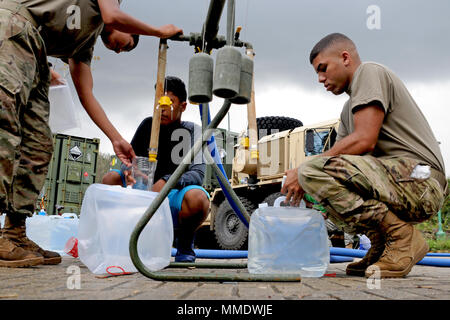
{"x": 227, "y": 73}
{"x": 200, "y": 78}
{"x": 245, "y": 88}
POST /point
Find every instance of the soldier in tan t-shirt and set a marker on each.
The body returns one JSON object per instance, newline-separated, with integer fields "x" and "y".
{"x": 384, "y": 173}
{"x": 31, "y": 30}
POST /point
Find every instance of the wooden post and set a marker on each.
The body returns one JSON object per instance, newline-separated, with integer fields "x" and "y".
{"x": 156, "y": 121}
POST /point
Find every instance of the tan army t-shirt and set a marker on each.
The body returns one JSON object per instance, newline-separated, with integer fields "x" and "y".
{"x": 69, "y": 27}
{"x": 405, "y": 131}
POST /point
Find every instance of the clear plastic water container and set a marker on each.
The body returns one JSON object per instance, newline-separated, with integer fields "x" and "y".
{"x": 288, "y": 240}
{"x": 108, "y": 216}
{"x": 364, "y": 242}
{"x": 52, "y": 232}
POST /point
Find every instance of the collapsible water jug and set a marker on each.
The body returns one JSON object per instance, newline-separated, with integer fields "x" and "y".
{"x": 108, "y": 216}
{"x": 52, "y": 232}
{"x": 288, "y": 240}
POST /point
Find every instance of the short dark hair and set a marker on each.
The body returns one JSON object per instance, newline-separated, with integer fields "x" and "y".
{"x": 105, "y": 34}
{"x": 176, "y": 86}
{"x": 327, "y": 42}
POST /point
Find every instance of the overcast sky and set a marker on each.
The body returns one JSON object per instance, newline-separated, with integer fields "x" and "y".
{"x": 410, "y": 37}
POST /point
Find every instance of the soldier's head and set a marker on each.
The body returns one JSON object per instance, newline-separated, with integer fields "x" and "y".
{"x": 118, "y": 41}
{"x": 175, "y": 89}
{"x": 335, "y": 59}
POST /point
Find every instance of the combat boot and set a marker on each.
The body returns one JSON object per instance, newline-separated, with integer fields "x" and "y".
{"x": 405, "y": 246}
{"x": 377, "y": 245}
{"x": 15, "y": 232}
{"x": 13, "y": 256}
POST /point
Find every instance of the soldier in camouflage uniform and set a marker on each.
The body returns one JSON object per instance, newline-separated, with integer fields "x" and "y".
{"x": 385, "y": 173}
{"x": 29, "y": 31}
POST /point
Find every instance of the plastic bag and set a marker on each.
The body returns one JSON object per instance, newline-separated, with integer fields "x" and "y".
{"x": 63, "y": 114}
{"x": 288, "y": 240}
{"x": 108, "y": 216}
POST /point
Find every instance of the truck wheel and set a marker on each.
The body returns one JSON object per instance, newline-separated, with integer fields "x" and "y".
{"x": 270, "y": 199}
{"x": 230, "y": 232}
{"x": 269, "y": 125}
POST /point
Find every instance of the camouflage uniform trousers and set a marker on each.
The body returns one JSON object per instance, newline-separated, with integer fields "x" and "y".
{"x": 357, "y": 191}
{"x": 25, "y": 137}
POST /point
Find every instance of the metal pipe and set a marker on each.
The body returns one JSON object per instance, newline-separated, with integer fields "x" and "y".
{"x": 211, "y": 25}
{"x": 225, "y": 184}
{"x": 165, "y": 276}
{"x": 230, "y": 22}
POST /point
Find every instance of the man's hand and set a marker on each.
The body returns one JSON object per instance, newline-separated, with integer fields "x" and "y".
{"x": 169, "y": 30}
{"x": 129, "y": 178}
{"x": 124, "y": 151}
{"x": 292, "y": 188}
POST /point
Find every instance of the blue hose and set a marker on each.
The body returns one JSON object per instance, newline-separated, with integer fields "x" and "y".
{"x": 427, "y": 261}
{"x": 213, "y": 149}
{"x": 242, "y": 254}
{"x": 336, "y": 255}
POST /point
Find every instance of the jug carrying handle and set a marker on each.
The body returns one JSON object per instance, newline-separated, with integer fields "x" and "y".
{"x": 278, "y": 201}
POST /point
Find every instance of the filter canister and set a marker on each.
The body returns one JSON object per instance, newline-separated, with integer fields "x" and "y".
{"x": 246, "y": 81}
{"x": 201, "y": 67}
{"x": 227, "y": 73}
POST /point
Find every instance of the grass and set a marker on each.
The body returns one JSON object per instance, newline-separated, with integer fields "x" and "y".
{"x": 439, "y": 245}
{"x": 430, "y": 228}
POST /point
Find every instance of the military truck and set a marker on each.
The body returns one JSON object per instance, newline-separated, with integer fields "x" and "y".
{"x": 283, "y": 143}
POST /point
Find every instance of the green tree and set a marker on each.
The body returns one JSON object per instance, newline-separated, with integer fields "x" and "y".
{"x": 103, "y": 166}
{"x": 445, "y": 211}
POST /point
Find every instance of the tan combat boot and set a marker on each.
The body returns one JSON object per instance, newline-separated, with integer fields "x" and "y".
{"x": 13, "y": 256}
{"x": 16, "y": 233}
{"x": 405, "y": 246}
{"x": 377, "y": 245}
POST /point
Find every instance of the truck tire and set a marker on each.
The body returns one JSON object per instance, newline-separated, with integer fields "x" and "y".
{"x": 230, "y": 232}
{"x": 270, "y": 199}
{"x": 269, "y": 125}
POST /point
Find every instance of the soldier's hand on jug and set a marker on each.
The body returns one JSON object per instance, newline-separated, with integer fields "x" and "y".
{"x": 293, "y": 190}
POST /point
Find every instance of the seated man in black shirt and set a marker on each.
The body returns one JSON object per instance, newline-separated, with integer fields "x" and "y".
{"x": 189, "y": 202}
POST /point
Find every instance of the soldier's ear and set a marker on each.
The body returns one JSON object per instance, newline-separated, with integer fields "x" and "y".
{"x": 183, "y": 106}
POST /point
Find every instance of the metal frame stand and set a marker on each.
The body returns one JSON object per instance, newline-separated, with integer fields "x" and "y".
{"x": 209, "y": 35}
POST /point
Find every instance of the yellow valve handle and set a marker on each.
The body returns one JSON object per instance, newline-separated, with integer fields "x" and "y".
{"x": 152, "y": 157}
{"x": 165, "y": 101}
{"x": 245, "y": 142}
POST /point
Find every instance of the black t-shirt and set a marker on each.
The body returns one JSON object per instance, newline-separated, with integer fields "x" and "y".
{"x": 175, "y": 140}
